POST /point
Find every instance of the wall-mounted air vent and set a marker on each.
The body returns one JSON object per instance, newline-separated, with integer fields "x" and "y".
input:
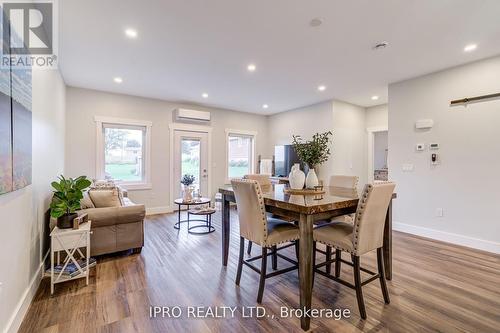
{"x": 192, "y": 115}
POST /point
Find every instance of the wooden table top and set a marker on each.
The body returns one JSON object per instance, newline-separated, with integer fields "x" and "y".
{"x": 334, "y": 198}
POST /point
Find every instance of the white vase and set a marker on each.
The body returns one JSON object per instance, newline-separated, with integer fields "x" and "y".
{"x": 187, "y": 195}
{"x": 296, "y": 177}
{"x": 311, "y": 179}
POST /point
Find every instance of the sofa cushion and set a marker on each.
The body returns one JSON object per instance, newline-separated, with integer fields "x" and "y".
{"x": 105, "y": 198}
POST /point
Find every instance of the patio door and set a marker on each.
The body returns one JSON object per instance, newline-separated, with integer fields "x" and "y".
{"x": 191, "y": 157}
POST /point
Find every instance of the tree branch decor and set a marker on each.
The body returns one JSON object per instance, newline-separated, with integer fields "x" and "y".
{"x": 314, "y": 152}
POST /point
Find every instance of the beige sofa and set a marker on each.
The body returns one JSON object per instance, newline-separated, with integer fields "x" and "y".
{"x": 117, "y": 223}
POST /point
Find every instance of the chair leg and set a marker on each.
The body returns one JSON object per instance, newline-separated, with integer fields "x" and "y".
{"x": 381, "y": 272}
{"x": 249, "y": 250}
{"x": 328, "y": 257}
{"x": 338, "y": 256}
{"x": 297, "y": 249}
{"x": 263, "y": 269}
{"x": 275, "y": 257}
{"x": 240, "y": 261}
{"x": 357, "y": 284}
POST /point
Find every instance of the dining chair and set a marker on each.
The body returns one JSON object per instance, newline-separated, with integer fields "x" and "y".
{"x": 264, "y": 182}
{"x": 344, "y": 181}
{"x": 349, "y": 182}
{"x": 258, "y": 227}
{"x": 365, "y": 235}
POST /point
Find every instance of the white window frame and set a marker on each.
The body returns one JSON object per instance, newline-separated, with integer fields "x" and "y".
{"x": 253, "y": 159}
{"x": 145, "y": 184}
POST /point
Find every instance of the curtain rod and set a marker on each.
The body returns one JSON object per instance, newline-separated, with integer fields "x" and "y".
{"x": 474, "y": 99}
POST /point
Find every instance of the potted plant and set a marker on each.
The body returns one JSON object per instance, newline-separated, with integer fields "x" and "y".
{"x": 66, "y": 199}
{"x": 187, "y": 180}
{"x": 313, "y": 153}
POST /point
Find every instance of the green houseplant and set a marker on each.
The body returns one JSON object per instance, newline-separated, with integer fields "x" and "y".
{"x": 313, "y": 153}
{"x": 66, "y": 199}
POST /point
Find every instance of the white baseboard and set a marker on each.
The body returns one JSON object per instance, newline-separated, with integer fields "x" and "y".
{"x": 24, "y": 303}
{"x": 159, "y": 210}
{"x": 448, "y": 237}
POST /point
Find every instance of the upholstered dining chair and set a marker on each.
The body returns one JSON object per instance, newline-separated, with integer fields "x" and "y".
{"x": 349, "y": 182}
{"x": 365, "y": 235}
{"x": 261, "y": 229}
{"x": 265, "y": 183}
{"x": 344, "y": 181}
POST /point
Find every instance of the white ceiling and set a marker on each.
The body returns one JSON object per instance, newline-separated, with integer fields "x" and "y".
{"x": 187, "y": 47}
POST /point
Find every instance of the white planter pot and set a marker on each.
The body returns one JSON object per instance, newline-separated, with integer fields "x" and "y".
{"x": 296, "y": 177}
{"x": 187, "y": 194}
{"x": 311, "y": 179}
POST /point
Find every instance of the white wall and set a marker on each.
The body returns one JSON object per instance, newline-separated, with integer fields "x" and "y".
{"x": 347, "y": 122}
{"x": 377, "y": 116}
{"x": 83, "y": 104}
{"x": 22, "y": 212}
{"x": 466, "y": 182}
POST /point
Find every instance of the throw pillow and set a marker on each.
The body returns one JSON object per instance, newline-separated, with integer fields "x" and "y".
{"x": 105, "y": 198}
{"x": 86, "y": 202}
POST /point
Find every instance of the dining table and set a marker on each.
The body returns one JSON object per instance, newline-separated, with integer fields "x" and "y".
{"x": 305, "y": 210}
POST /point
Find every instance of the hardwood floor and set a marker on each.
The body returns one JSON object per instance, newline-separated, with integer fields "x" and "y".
{"x": 436, "y": 287}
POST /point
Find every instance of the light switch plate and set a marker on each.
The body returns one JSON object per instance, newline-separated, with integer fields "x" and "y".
{"x": 420, "y": 147}
{"x": 433, "y": 146}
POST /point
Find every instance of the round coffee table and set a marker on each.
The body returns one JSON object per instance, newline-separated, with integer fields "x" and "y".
{"x": 195, "y": 202}
{"x": 207, "y": 212}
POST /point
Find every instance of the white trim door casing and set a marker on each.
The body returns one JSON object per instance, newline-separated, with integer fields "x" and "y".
{"x": 371, "y": 135}
{"x": 173, "y": 127}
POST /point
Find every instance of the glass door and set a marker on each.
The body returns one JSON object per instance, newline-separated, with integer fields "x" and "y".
{"x": 191, "y": 158}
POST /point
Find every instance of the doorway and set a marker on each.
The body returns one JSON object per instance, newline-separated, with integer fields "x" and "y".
{"x": 191, "y": 155}
{"x": 378, "y": 150}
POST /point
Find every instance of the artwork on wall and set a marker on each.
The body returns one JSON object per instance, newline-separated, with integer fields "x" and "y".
{"x": 5, "y": 133}
{"x": 15, "y": 128}
{"x": 21, "y": 127}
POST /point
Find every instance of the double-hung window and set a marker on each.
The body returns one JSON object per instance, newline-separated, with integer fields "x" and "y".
{"x": 123, "y": 151}
{"x": 240, "y": 153}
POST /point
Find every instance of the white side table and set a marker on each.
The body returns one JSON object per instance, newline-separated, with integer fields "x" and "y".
{"x": 69, "y": 241}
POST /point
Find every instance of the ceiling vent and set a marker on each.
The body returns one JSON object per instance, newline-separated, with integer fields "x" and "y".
{"x": 192, "y": 115}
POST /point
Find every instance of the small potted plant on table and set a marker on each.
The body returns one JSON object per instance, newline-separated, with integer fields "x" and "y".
{"x": 187, "y": 191}
{"x": 66, "y": 199}
{"x": 313, "y": 153}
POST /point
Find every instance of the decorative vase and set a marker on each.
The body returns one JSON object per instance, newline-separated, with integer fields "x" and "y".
{"x": 187, "y": 194}
{"x": 66, "y": 221}
{"x": 296, "y": 177}
{"x": 311, "y": 179}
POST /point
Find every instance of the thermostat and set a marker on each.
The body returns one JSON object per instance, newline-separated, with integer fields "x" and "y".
{"x": 433, "y": 146}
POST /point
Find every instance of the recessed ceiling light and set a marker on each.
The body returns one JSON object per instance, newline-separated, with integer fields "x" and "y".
{"x": 470, "y": 47}
{"x": 374, "y": 97}
{"x": 251, "y": 67}
{"x": 316, "y": 22}
{"x": 131, "y": 33}
{"x": 204, "y": 95}
{"x": 265, "y": 106}
{"x": 118, "y": 79}
{"x": 321, "y": 88}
